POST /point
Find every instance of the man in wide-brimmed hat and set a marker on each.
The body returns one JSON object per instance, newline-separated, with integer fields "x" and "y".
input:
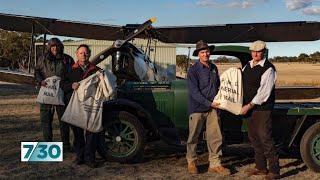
{"x": 259, "y": 77}
{"x": 203, "y": 84}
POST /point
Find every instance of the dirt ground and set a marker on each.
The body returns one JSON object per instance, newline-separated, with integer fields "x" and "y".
{"x": 19, "y": 121}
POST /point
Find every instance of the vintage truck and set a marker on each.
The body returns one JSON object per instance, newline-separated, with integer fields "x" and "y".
{"x": 144, "y": 112}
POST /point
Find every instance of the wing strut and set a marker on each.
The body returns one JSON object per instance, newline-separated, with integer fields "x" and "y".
{"x": 31, "y": 48}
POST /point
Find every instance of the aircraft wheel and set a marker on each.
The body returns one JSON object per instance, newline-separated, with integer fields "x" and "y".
{"x": 310, "y": 147}
{"x": 125, "y": 138}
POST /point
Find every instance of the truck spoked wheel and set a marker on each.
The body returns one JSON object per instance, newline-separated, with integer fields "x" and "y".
{"x": 315, "y": 150}
{"x": 124, "y": 137}
{"x": 310, "y": 147}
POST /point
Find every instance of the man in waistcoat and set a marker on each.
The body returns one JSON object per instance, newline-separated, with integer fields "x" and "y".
{"x": 259, "y": 77}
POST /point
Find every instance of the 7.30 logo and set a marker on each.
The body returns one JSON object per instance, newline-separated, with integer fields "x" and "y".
{"x": 41, "y": 151}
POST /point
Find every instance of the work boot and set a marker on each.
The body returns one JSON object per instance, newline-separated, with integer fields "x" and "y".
{"x": 192, "y": 168}
{"x": 219, "y": 170}
{"x": 256, "y": 172}
{"x": 272, "y": 176}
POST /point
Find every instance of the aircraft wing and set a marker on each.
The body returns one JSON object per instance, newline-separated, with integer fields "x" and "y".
{"x": 225, "y": 33}
{"x": 236, "y": 33}
{"x": 16, "y": 77}
{"x": 59, "y": 27}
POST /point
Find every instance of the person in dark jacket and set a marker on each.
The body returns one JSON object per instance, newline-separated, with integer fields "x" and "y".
{"x": 259, "y": 77}
{"x": 85, "y": 148}
{"x": 203, "y": 83}
{"x": 53, "y": 63}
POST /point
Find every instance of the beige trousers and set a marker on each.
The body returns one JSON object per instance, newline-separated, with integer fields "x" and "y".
{"x": 213, "y": 136}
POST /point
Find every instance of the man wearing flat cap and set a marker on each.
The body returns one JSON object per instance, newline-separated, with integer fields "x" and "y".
{"x": 259, "y": 77}
{"x": 203, "y": 83}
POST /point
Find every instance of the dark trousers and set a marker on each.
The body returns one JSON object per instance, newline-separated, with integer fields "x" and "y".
{"x": 86, "y": 147}
{"x": 260, "y": 136}
{"x": 90, "y": 146}
{"x": 78, "y": 141}
{"x": 101, "y": 145}
{"x": 46, "y": 118}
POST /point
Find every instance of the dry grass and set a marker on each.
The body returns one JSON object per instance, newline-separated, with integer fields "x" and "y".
{"x": 19, "y": 121}
{"x": 290, "y": 74}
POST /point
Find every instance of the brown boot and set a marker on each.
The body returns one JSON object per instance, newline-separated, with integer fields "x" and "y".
{"x": 192, "y": 168}
{"x": 256, "y": 172}
{"x": 272, "y": 176}
{"x": 220, "y": 170}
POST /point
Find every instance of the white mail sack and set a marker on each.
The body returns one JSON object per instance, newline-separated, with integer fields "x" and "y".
{"x": 230, "y": 95}
{"x": 86, "y": 104}
{"x": 52, "y": 93}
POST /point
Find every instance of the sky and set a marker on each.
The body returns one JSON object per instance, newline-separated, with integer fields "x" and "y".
{"x": 178, "y": 12}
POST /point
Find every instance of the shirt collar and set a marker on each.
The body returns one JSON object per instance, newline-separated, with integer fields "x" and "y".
{"x": 203, "y": 66}
{"x": 83, "y": 67}
{"x": 261, "y": 62}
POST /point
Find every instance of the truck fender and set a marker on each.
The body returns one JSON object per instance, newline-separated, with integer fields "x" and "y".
{"x": 169, "y": 135}
{"x": 115, "y": 104}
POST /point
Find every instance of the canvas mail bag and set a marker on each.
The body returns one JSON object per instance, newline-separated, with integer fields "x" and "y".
{"x": 230, "y": 95}
{"x": 86, "y": 104}
{"x": 52, "y": 93}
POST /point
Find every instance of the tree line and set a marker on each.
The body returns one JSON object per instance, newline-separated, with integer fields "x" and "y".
{"x": 182, "y": 60}
{"x": 305, "y": 58}
{"x": 15, "y": 49}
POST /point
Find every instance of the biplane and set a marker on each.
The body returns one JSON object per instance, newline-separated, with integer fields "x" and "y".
{"x": 220, "y": 33}
{"x": 147, "y": 110}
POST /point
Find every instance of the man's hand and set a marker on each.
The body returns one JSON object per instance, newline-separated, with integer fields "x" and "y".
{"x": 43, "y": 83}
{"x": 100, "y": 74}
{"x": 75, "y": 85}
{"x": 246, "y": 108}
{"x": 215, "y": 105}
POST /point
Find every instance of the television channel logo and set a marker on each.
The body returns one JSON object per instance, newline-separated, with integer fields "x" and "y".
{"x": 41, "y": 151}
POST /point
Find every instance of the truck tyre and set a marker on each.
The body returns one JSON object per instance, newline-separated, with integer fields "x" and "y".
{"x": 310, "y": 147}
{"x": 124, "y": 137}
